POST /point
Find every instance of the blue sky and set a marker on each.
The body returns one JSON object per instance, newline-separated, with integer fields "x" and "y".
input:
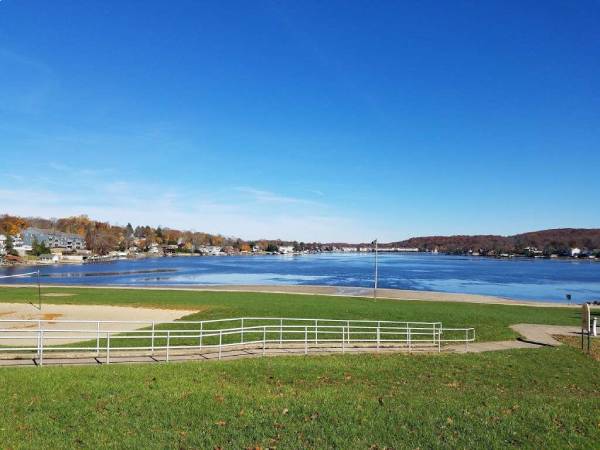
{"x": 304, "y": 120}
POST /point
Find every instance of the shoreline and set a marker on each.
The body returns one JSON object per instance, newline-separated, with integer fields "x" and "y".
{"x": 334, "y": 291}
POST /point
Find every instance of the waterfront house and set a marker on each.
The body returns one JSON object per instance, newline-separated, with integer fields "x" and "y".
{"x": 53, "y": 239}
{"x": 20, "y": 246}
{"x": 49, "y": 258}
{"x": 212, "y": 250}
{"x": 154, "y": 249}
{"x": 2, "y": 244}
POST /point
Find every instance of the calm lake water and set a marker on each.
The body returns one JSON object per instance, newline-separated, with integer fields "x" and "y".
{"x": 517, "y": 278}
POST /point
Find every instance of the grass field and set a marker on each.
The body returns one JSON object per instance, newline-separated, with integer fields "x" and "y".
{"x": 541, "y": 398}
{"x": 491, "y": 321}
{"x": 545, "y": 398}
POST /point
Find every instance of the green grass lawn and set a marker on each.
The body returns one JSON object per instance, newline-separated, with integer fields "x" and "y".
{"x": 490, "y": 321}
{"x": 546, "y": 398}
{"x": 541, "y": 398}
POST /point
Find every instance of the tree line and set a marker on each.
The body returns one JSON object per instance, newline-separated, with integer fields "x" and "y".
{"x": 102, "y": 237}
{"x": 548, "y": 242}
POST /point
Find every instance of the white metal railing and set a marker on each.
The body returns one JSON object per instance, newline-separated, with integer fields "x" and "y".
{"x": 81, "y": 336}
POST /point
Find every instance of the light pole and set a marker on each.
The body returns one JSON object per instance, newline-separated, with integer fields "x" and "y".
{"x": 376, "y": 268}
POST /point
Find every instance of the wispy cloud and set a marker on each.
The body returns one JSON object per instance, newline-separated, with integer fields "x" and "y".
{"x": 271, "y": 197}
{"x": 247, "y": 212}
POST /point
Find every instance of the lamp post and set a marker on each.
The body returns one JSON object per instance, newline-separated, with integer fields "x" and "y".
{"x": 376, "y": 269}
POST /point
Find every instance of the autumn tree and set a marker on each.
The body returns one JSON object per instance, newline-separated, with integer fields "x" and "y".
{"x": 12, "y": 225}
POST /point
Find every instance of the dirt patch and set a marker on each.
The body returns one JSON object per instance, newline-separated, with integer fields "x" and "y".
{"x": 50, "y": 316}
{"x": 575, "y": 341}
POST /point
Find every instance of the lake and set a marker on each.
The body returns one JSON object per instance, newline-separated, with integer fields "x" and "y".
{"x": 519, "y": 278}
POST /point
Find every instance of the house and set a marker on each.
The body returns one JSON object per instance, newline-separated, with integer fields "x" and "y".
{"x": 53, "y": 239}
{"x": 20, "y": 247}
{"x": 286, "y": 249}
{"x": 49, "y": 258}
{"x": 154, "y": 249}
{"x": 575, "y": 252}
{"x": 210, "y": 250}
{"x": 2, "y": 244}
{"x": 533, "y": 251}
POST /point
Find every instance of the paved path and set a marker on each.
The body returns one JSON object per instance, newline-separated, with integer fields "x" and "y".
{"x": 478, "y": 347}
{"x": 532, "y": 336}
{"x": 542, "y": 334}
{"x": 195, "y": 355}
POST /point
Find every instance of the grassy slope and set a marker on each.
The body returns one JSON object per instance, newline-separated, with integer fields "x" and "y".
{"x": 533, "y": 398}
{"x": 523, "y": 398}
{"x": 491, "y": 321}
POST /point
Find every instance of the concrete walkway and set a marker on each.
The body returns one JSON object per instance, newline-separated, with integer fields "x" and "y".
{"x": 532, "y": 336}
{"x": 228, "y": 353}
{"x": 542, "y": 334}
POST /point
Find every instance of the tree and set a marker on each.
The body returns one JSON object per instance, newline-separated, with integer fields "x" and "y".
{"x": 39, "y": 248}
{"x": 272, "y": 248}
{"x": 12, "y": 225}
{"x": 10, "y": 249}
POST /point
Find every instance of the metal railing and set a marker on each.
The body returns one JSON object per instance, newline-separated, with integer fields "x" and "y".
{"x": 39, "y": 337}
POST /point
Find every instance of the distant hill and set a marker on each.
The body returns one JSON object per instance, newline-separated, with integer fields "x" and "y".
{"x": 555, "y": 241}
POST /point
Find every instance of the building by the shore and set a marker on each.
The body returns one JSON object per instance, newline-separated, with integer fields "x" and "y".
{"x": 53, "y": 239}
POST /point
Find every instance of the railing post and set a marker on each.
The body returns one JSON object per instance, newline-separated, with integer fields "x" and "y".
{"x": 201, "y": 336}
{"x": 220, "y": 343}
{"x": 348, "y": 331}
{"x": 98, "y": 338}
{"x": 280, "y": 332}
{"x": 168, "y": 343}
{"x": 378, "y": 335}
{"x": 306, "y": 340}
{"x": 343, "y": 339}
{"x": 467, "y": 340}
{"x": 242, "y": 330}
{"x": 264, "y": 339}
{"x": 316, "y": 331}
{"x": 41, "y": 356}
{"x": 108, "y": 347}
{"x": 440, "y": 339}
{"x": 152, "y": 338}
{"x": 409, "y": 339}
{"x": 39, "y": 334}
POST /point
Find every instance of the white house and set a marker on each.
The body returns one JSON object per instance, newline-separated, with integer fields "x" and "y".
{"x": 49, "y": 258}
{"x": 154, "y": 249}
{"x": 575, "y": 252}
{"x": 2, "y": 244}
{"x": 212, "y": 250}
{"x": 285, "y": 249}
